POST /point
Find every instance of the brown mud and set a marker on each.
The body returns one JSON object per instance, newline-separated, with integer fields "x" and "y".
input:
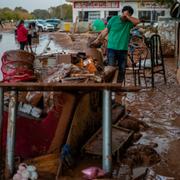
{"x": 160, "y": 109}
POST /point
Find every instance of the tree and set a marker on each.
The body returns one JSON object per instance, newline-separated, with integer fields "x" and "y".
{"x": 21, "y": 9}
{"x": 62, "y": 12}
{"x": 40, "y": 14}
{"x": 168, "y": 2}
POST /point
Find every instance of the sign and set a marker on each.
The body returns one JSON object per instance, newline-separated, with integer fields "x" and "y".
{"x": 150, "y": 5}
{"x": 97, "y": 4}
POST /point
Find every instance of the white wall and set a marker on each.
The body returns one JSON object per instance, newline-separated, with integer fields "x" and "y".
{"x": 134, "y": 5}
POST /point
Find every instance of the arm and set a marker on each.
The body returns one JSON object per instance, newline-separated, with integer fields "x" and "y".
{"x": 134, "y": 20}
{"x": 102, "y": 35}
{"x": 127, "y": 16}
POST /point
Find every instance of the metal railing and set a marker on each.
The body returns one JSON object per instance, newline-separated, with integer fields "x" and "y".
{"x": 106, "y": 88}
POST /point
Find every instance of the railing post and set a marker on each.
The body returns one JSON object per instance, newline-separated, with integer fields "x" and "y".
{"x": 107, "y": 132}
{"x": 11, "y": 131}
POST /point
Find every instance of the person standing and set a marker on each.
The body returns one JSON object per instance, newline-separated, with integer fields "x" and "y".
{"x": 22, "y": 34}
{"x": 118, "y": 31}
{"x": 30, "y": 36}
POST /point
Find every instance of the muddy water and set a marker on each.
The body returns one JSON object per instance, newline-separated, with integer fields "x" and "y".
{"x": 160, "y": 109}
{"x": 8, "y": 42}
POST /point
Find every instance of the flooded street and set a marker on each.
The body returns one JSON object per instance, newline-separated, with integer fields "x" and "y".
{"x": 8, "y": 42}
{"x": 159, "y": 108}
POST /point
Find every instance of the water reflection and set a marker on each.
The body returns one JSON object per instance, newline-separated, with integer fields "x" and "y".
{"x": 0, "y": 37}
{"x": 8, "y": 42}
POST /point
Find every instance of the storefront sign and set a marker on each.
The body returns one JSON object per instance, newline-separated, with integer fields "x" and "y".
{"x": 149, "y": 5}
{"x": 96, "y": 4}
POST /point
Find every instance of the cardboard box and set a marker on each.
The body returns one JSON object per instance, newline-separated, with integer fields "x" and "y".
{"x": 63, "y": 58}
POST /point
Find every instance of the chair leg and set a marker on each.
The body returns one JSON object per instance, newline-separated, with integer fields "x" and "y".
{"x": 152, "y": 78}
{"x": 139, "y": 78}
{"x": 134, "y": 75}
{"x": 164, "y": 74}
{"x": 144, "y": 75}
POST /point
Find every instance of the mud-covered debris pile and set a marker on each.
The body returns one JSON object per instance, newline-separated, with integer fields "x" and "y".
{"x": 140, "y": 154}
{"x": 81, "y": 68}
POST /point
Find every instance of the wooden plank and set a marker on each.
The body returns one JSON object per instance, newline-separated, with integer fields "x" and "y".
{"x": 45, "y": 164}
{"x": 120, "y": 136}
{"x": 64, "y": 123}
{"x": 30, "y": 86}
{"x": 85, "y": 122}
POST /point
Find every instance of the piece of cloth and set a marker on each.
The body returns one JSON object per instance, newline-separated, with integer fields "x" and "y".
{"x": 118, "y": 57}
{"x": 118, "y": 33}
{"x": 33, "y": 137}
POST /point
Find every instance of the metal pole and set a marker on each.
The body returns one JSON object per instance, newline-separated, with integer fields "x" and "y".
{"x": 107, "y": 132}
{"x": 1, "y": 121}
{"x": 11, "y": 129}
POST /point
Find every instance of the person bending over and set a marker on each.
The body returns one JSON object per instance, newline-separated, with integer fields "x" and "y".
{"x": 118, "y": 31}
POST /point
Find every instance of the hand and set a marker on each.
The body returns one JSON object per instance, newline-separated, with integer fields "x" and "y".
{"x": 126, "y": 14}
{"x": 96, "y": 43}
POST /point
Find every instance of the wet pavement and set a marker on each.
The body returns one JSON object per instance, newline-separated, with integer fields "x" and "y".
{"x": 160, "y": 109}
{"x": 8, "y": 42}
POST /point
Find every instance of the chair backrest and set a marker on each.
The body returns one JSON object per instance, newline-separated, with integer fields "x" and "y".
{"x": 156, "y": 50}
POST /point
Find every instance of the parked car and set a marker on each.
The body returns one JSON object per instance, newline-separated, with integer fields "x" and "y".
{"x": 54, "y": 22}
{"x": 43, "y": 25}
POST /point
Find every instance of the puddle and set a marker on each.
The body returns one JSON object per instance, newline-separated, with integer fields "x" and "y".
{"x": 159, "y": 108}
{"x": 8, "y": 42}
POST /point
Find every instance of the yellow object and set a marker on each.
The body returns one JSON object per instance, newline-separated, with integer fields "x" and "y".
{"x": 67, "y": 26}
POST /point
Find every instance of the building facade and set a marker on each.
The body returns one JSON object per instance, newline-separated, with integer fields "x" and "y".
{"x": 89, "y": 10}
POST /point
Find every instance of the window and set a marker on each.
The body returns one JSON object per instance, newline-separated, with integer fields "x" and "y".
{"x": 150, "y": 16}
{"x": 145, "y": 15}
{"x": 94, "y": 15}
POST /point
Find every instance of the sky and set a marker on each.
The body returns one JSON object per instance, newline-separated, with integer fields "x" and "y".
{"x": 30, "y": 5}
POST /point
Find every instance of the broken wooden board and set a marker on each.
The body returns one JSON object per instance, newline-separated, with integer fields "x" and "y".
{"x": 86, "y": 120}
{"x": 68, "y": 101}
{"x": 45, "y": 164}
{"x": 120, "y": 136}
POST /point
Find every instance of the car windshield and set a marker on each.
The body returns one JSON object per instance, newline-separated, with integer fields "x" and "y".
{"x": 53, "y": 20}
{"x": 41, "y": 22}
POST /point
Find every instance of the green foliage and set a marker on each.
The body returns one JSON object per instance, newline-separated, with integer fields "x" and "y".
{"x": 168, "y": 2}
{"x": 61, "y": 12}
{"x": 40, "y": 14}
{"x": 16, "y": 14}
